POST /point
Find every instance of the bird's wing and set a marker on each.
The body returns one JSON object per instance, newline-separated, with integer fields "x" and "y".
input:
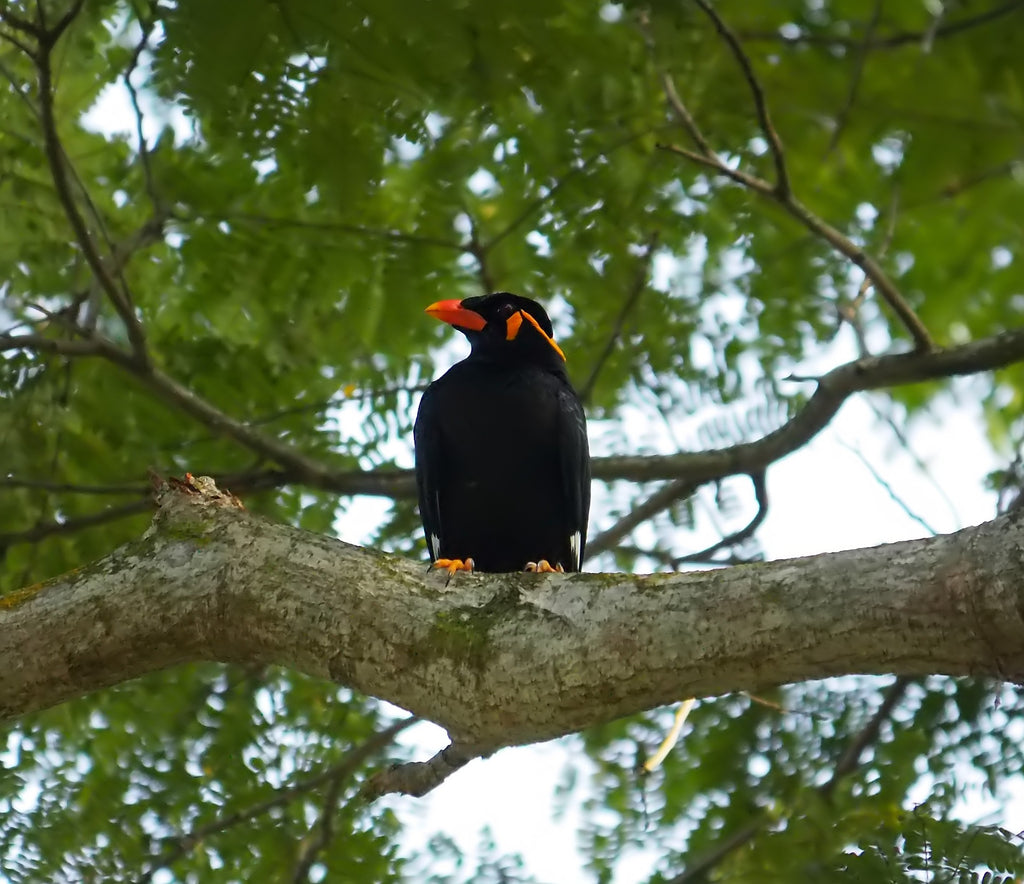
{"x": 429, "y": 463}
{"x": 574, "y": 453}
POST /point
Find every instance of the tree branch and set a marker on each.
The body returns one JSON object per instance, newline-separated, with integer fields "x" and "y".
{"x": 512, "y": 658}
{"x": 42, "y": 530}
{"x": 58, "y": 170}
{"x": 847, "y": 764}
{"x": 690, "y": 469}
{"x": 737, "y": 537}
{"x": 632, "y": 299}
{"x": 781, "y": 192}
{"x": 782, "y": 188}
{"x": 181, "y": 845}
{"x": 896, "y": 40}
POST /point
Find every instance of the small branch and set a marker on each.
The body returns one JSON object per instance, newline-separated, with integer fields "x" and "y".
{"x": 858, "y": 72}
{"x": 868, "y": 735}
{"x": 416, "y": 778}
{"x": 133, "y": 95}
{"x": 337, "y": 773}
{"x": 58, "y": 169}
{"x": 781, "y": 193}
{"x": 659, "y": 501}
{"x": 782, "y": 188}
{"x": 893, "y": 496}
{"x": 53, "y": 34}
{"x": 632, "y": 299}
{"x": 324, "y": 831}
{"x": 339, "y": 227}
{"x": 689, "y": 470}
{"x": 42, "y": 530}
{"x": 891, "y": 41}
{"x": 922, "y": 467}
{"x": 21, "y": 24}
{"x": 70, "y": 488}
{"x": 715, "y": 163}
{"x": 25, "y": 49}
{"x": 847, "y": 764}
{"x": 962, "y": 185}
{"x": 75, "y": 348}
{"x": 707, "y": 155}
{"x": 879, "y": 278}
{"x": 761, "y": 494}
{"x": 302, "y": 468}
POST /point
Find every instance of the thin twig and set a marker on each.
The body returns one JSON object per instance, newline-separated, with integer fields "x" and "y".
{"x": 324, "y": 826}
{"x": 707, "y": 154}
{"x": 850, "y": 312}
{"x": 54, "y": 33}
{"x": 962, "y": 185}
{"x": 858, "y": 73}
{"x": 705, "y": 555}
{"x": 893, "y": 496}
{"x": 58, "y": 169}
{"x": 42, "y": 530}
{"x": 133, "y": 95}
{"x": 71, "y": 488}
{"x": 781, "y": 193}
{"x": 24, "y": 48}
{"x": 643, "y": 270}
{"x": 20, "y": 24}
{"x": 908, "y": 449}
{"x": 184, "y": 843}
{"x": 782, "y": 187}
{"x": 850, "y": 759}
{"x": 897, "y": 40}
{"x": 335, "y": 227}
{"x": 847, "y": 764}
{"x": 660, "y": 500}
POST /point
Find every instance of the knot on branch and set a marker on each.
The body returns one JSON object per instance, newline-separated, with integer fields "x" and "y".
{"x": 192, "y": 491}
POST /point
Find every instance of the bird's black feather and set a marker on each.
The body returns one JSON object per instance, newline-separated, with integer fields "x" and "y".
{"x": 502, "y": 461}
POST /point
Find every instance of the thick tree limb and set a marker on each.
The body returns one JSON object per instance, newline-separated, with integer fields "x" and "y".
{"x": 507, "y": 659}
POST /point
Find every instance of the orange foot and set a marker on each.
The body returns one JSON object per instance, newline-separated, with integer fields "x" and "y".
{"x": 453, "y": 565}
{"x": 543, "y": 567}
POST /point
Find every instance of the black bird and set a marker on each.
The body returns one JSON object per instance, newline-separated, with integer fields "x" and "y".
{"x": 502, "y": 461}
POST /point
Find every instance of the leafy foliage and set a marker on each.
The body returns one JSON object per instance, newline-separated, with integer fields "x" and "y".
{"x": 309, "y": 177}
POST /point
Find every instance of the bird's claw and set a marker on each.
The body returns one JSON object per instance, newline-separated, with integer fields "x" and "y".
{"x": 452, "y": 566}
{"x": 543, "y": 567}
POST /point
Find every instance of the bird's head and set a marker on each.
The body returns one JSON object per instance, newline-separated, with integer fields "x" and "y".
{"x": 502, "y": 326}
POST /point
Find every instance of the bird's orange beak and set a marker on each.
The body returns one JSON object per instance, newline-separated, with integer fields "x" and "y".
{"x": 455, "y": 314}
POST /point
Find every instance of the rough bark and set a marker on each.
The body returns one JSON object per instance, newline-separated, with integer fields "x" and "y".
{"x": 508, "y": 659}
